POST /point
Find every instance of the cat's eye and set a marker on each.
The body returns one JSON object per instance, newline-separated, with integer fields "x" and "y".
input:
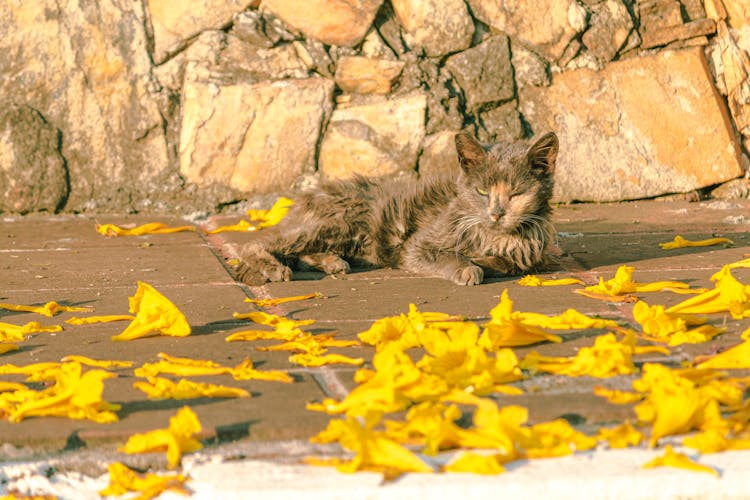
{"x": 481, "y": 191}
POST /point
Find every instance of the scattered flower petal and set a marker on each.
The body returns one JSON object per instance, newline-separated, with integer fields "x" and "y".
{"x": 162, "y": 388}
{"x": 124, "y": 480}
{"x": 736, "y": 357}
{"x": 149, "y": 228}
{"x": 49, "y": 309}
{"x": 617, "y": 397}
{"x": 283, "y": 300}
{"x": 622, "y": 436}
{"x": 623, "y": 284}
{"x": 245, "y": 371}
{"x": 672, "y": 328}
{"x": 18, "y": 333}
{"x": 273, "y": 215}
{"x": 6, "y": 348}
{"x": 716, "y": 440}
{"x": 680, "y": 242}
{"x": 155, "y": 314}
{"x": 507, "y": 328}
{"x": 100, "y": 319}
{"x": 679, "y": 460}
{"x": 533, "y": 280}
{"x": 728, "y": 295}
{"x": 313, "y": 360}
{"x": 241, "y": 226}
{"x": 106, "y": 364}
{"x": 476, "y": 463}
{"x": 174, "y": 440}
{"x": 569, "y": 320}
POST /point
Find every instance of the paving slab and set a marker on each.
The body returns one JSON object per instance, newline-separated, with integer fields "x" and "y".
{"x": 62, "y": 258}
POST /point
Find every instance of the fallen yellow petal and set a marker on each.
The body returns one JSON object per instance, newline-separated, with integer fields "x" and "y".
{"x": 106, "y": 363}
{"x": 680, "y": 242}
{"x": 325, "y": 359}
{"x": 533, "y": 280}
{"x": 622, "y": 436}
{"x": 124, "y": 480}
{"x": 49, "y": 309}
{"x": 155, "y": 314}
{"x": 5, "y": 348}
{"x": 716, "y": 440}
{"x": 672, "y": 328}
{"x": 283, "y": 300}
{"x": 569, "y": 320}
{"x": 162, "y": 388}
{"x": 476, "y": 464}
{"x": 148, "y": 228}
{"x": 728, "y": 295}
{"x": 246, "y": 371}
{"x": 11, "y": 386}
{"x": 17, "y": 333}
{"x": 100, "y": 319}
{"x": 241, "y": 226}
{"x": 183, "y": 367}
{"x": 273, "y": 215}
{"x": 617, "y": 397}
{"x": 623, "y": 284}
{"x": 507, "y": 329}
{"x": 736, "y": 357}
{"x": 679, "y": 460}
{"x": 174, "y": 440}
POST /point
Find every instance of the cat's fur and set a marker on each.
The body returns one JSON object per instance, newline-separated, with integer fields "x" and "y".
{"x": 494, "y": 215}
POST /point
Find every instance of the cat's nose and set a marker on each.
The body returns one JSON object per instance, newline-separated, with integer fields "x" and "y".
{"x": 497, "y": 214}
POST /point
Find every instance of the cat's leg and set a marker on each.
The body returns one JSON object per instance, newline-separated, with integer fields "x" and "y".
{"x": 449, "y": 265}
{"x": 327, "y": 262}
{"x": 258, "y": 265}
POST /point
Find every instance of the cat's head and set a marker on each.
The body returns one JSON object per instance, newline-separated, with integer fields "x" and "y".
{"x": 509, "y": 183}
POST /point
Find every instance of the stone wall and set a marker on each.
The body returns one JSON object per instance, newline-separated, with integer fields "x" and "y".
{"x": 157, "y": 105}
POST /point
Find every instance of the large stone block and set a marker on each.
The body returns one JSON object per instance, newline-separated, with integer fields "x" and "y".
{"x": 174, "y": 23}
{"x": 85, "y": 67}
{"x": 546, "y": 25}
{"x": 333, "y": 22}
{"x": 374, "y": 138}
{"x": 253, "y": 137}
{"x": 33, "y": 175}
{"x": 440, "y": 26}
{"x": 642, "y": 127}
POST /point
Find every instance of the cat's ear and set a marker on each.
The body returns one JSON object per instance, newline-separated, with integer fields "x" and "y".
{"x": 543, "y": 153}
{"x": 471, "y": 154}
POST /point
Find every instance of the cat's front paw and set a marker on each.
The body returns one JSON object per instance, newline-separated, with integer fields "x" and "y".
{"x": 260, "y": 274}
{"x": 469, "y": 275}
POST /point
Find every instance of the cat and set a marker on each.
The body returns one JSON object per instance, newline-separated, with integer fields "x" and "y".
{"x": 492, "y": 216}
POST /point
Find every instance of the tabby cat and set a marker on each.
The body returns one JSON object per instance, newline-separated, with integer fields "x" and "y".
{"x": 493, "y": 215}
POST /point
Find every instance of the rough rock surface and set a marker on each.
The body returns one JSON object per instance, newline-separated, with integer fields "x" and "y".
{"x": 439, "y": 154}
{"x": 72, "y": 64}
{"x": 642, "y": 127}
{"x": 363, "y": 75}
{"x": 33, "y": 175}
{"x": 333, "y": 22}
{"x": 547, "y": 25}
{"x": 484, "y": 72}
{"x": 254, "y": 137}
{"x": 174, "y": 23}
{"x": 380, "y": 137}
{"x": 440, "y": 26}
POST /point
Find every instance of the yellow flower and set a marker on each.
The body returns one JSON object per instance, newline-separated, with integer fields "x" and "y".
{"x": 273, "y": 215}
{"x": 455, "y": 356}
{"x": 673, "y": 404}
{"x": 124, "y": 480}
{"x": 716, "y": 440}
{"x": 245, "y": 371}
{"x": 554, "y": 439}
{"x": 405, "y": 330}
{"x": 374, "y": 451}
{"x": 106, "y": 364}
{"x": 622, "y": 436}
{"x": 606, "y": 358}
{"x": 679, "y": 460}
{"x": 100, "y": 319}
{"x": 737, "y": 356}
{"x": 623, "y": 284}
{"x": 617, "y": 397}
{"x": 241, "y": 226}
{"x": 430, "y": 423}
{"x": 323, "y": 359}
{"x": 49, "y": 309}
{"x": 680, "y": 242}
{"x": 154, "y": 314}
{"x": 183, "y": 367}
{"x": 6, "y": 348}
{"x": 672, "y": 328}
{"x": 162, "y": 388}
{"x": 476, "y": 464}
{"x": 728, "y": 294}
{"x": 532, "y": 280}
{"x": 17, "y": 333}
{"x": 507, "y": 329}
{"x": 174, "y": 440}
{"x": 497, "y": 428}
{"x": 149, "y": 228}
{"x": 284, "y": 300}
{"x": 569, "y": 320}
{"x": 74, "y": 395}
